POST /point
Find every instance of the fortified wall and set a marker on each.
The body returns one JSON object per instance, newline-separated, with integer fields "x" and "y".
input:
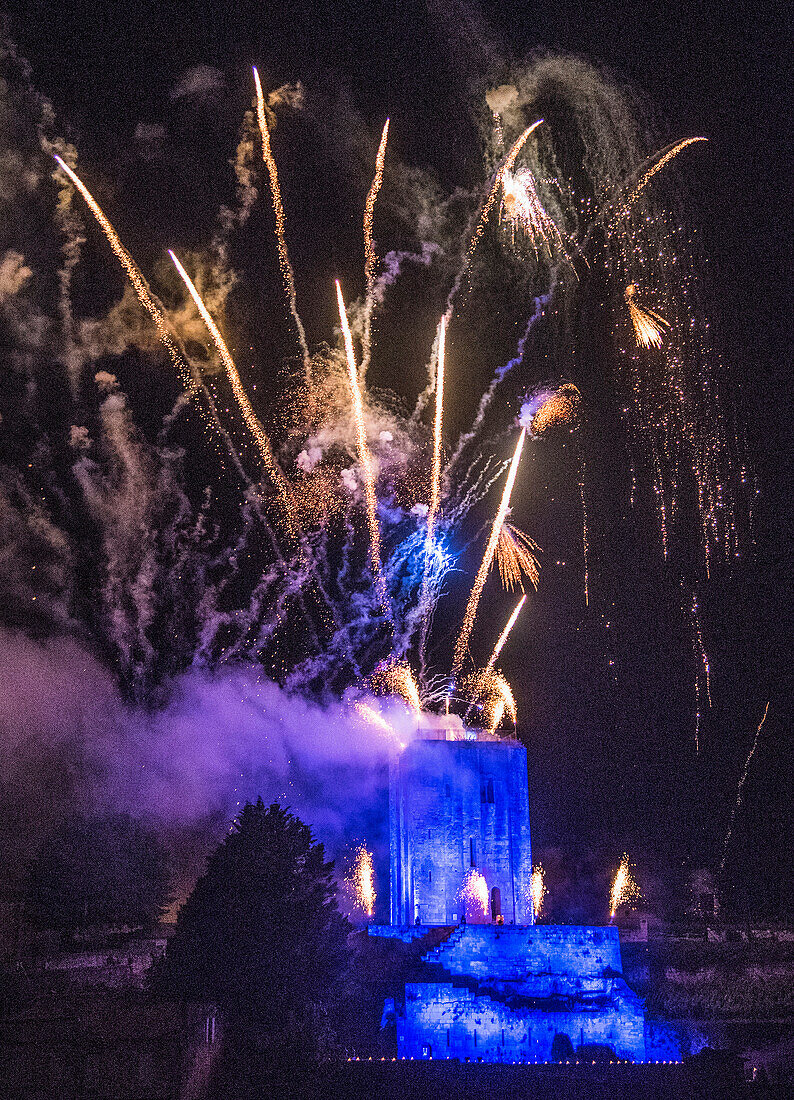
{"x": 518, "y": 992}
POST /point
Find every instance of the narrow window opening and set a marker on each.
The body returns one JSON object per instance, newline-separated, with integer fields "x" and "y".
{"x": 490, "y": 791}
{"x": 472, "y": 853}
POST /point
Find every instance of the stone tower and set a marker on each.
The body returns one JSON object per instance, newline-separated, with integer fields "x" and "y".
{"x": 459, "y": 805}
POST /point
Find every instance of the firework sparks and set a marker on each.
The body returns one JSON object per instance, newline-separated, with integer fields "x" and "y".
{"x": 479, "y": 582}
{"x": 362, "y": 881}
{"x": 249, "y": 416}
{"x": 506, "y": 167}
{"x": 647, "y": 323}
{"x": 625, "y": 890}
{"x": 522, "y": 208}
{"x": 497, "y": 649}
{"x": 537, "y": 890}
{"x": 364, "y": 456}
{"x": 287, "y": 273}
{"x": 551, "y": 409}
{"x": 394, "y": 677}
{"x": 490, "y": 692}
{"x": 474, "y": 894}
{"x": 370, "y": 258}
{"x": 516, "y": 558}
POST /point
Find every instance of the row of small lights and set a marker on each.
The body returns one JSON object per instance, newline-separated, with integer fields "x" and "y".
{"x": 512, "y": 1062}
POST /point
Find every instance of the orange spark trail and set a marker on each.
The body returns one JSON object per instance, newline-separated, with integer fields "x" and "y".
{"x": 506, "y": 166}
{"x": 139, "y": 284}
{"x": 364, "y": 456}
{"x": 249, "y": 416}
{"x": 371, "y": 259}
{"x": 645, "y": 179}
{"x": 479, "y": 581}
{"x": 287, "y": 273}
{"x": 497, "y": 649}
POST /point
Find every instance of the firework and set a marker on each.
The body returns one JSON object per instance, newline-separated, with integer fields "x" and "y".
{"x": 647, "y": 323}
{"x": 479, "y": 582}
{"x": 537, "y": 890}
{"x": 516, "y": 558}
{"x": 364, "y": 456}
{"x": 394, "y": 677}
{"x": 506, "y": 167}
{"x": 287, "y": 273}
{"x": 657, "y": 166}
{"x": 474, "y": 894}
{"x": 625, "y": 890}
{"x": 362, "y": 880}
{"x": 490, "y": 692}
{"x": 497, "y": 649}
{"x": 740, "y": 792}
{"x": 249, "y": 416}
{"x": 552, "y": 409}
{"x": 522, "y": 208}
{"x": 139, "y": 284}
{"x": 370, "y": 259}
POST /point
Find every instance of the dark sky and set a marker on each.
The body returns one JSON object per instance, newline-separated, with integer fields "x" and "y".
{"x": 718, "y": 70}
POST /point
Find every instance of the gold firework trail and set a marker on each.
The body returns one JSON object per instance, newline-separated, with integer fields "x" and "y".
{"x": 394, "y": 677}
{"x": 479, "y": 581}
{"x": 139, "y": 284}
{"x": 370, "y": 259}
{"x": 505, "y": 168}
{"x": 435, "y": 486}
{"x": 646, "y": 177}
{"x": 287, "y": 273}
{"x": 364, "y": 456}
{"x": 497, "y": 649}
{"x": 647, "y": 323}
{"x": 491, "y": 690}
{"x": 249, "y": 416}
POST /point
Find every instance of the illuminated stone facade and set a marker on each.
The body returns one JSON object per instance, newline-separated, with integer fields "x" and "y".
{"x": 459, "y": 807}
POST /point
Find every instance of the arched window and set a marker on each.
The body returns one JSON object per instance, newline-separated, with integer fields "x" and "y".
{"x": 496, "y": 903}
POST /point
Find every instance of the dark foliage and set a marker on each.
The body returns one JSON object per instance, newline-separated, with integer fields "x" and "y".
{"x": 261, "y": 937}
{"x": 99, "y": 871}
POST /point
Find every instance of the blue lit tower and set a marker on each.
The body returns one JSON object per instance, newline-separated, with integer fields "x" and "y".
{"x": 459, "y": 803}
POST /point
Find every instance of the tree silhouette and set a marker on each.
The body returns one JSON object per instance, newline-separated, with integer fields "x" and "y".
{"x": 261, "y": 937}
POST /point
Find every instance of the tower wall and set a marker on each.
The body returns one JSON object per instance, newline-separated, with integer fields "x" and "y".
{"x": 457, "y": 806}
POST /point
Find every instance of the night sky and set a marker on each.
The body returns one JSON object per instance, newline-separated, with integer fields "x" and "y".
{"x": 612, "y": 765}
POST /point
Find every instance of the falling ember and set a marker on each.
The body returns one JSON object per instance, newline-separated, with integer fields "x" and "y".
{"x": 537, "y": 890}
{"x": 522, "y": 208}
{"x": 364, "y": 456}
{"x": 249, "y": 416}
{"x": 370, "y": 259}
{"x": 646, "y": 177}
{"x": 287, "y": 273}
{"x": 625, "y": 890}
{"x": 516, "y": 558}
{"x": 497, "y": 649}
{"x": 362, "y": 880}
{"x": 647, "y": 323}
{"x": 139, "y": 284}
{"x": 474, "y": 893}
{"x": 479, "y": 581}
{"x": 394, "y": 677}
